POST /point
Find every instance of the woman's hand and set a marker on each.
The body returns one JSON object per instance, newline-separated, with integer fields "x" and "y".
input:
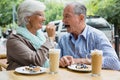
{"x": 50, "y": 29}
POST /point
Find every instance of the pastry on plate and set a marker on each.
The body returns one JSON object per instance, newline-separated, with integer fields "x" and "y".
{"x": 32, "y": 68}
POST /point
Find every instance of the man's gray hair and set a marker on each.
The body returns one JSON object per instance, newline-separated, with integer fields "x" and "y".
{"x": 78, "y": 8}
{"x": 28, "y": 8}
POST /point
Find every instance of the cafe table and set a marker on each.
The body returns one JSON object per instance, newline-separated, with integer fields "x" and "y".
{"x": 63, "y": 74}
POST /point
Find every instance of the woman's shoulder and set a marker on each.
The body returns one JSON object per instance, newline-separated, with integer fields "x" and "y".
{"x": 16, "y": 38}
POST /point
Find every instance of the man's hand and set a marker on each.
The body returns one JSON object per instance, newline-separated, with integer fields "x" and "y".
{"x": 66, "y": 61}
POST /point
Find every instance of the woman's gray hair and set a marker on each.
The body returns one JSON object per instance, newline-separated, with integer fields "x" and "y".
{"x": 28, "y": 8}
{"x": 78, "y": 8}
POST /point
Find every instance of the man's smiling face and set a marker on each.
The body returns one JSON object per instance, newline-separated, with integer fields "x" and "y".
{"x": 71, "y": 20}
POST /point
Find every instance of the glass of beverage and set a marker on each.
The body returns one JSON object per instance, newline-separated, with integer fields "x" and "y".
{"x": 54, "y": 55}
{"x": 96, "y": 56}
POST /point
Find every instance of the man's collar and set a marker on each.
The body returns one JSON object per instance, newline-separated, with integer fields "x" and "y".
{"x": 84, "y": 33}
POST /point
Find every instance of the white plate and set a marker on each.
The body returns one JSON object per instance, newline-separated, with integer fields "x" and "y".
{"x": 73, "y": 67}
{"x": 23, "y": 71}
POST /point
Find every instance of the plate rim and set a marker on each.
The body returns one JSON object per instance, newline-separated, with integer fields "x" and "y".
{"x": 79, "y": 70}
{"x": 26, "y": 72}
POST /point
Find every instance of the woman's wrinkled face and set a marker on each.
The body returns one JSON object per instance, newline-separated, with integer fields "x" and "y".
{"x": 36, "y": 20}
{"x": 71, "y": 20}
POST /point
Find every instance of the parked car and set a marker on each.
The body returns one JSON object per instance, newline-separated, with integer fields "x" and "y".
{"x": 101, "y": 24}
{"x": 94, "y": 21}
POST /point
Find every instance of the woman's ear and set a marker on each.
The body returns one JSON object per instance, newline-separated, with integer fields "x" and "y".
{"x": 27, "y": 19}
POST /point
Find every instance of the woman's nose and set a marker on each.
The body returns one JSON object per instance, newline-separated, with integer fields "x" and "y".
{"x": 44, "y": 19}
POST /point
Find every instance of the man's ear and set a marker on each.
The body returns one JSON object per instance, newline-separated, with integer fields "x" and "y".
{"x": 81, "y": 17}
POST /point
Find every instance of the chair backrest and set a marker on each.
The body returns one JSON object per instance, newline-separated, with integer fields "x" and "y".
{"x": 3, "y": 66}
{"x": 3, "y": 56}
{"x": 3, "y": 62}
{"x": 0, "y": 68}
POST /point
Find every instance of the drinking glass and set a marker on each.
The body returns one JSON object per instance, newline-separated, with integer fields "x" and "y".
{"x": 96, "y": 56}
{"x": 54, "y": 55}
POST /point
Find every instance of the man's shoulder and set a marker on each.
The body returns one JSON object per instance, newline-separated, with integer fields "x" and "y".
{"x": 93, "y": 31}
{"x": 95, "y": 34}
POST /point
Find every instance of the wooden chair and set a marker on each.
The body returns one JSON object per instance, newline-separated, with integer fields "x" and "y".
{"x": 3, "y": 66}
{"x": 3, "y": 62}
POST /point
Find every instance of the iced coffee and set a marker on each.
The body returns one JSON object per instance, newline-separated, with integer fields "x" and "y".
{"x": 96, "y": 56}
{"x": 54, "y": 55}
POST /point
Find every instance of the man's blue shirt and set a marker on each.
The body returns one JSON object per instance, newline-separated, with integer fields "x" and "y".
{"x": 88, "y": 40}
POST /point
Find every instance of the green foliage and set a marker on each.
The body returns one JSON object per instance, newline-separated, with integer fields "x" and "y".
{"x": 6, "y": 7}
{"x": 54, "y": 11}
{"x": 109, "y": 9}
{"x": 5, "y": 11}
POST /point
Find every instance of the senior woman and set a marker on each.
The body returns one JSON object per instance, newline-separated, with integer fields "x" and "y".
{"x": 29, "y": 46}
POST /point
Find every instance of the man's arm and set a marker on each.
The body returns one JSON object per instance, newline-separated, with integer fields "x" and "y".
{"x": 68, "y": 60}
{"x": 110, "y": 58}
